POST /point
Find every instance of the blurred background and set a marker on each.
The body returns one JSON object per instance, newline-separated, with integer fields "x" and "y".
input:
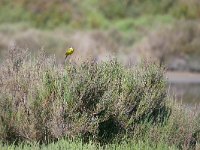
{"x": 164, "y": 31}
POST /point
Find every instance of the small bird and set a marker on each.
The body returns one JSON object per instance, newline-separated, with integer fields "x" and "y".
{"x": 69, "y": 51}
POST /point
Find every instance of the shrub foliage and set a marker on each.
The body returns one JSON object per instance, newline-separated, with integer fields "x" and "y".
{"x": 42, "y": 101}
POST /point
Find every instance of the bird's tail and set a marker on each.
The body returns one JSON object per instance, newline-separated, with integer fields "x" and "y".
{"x": 66, "y": 58}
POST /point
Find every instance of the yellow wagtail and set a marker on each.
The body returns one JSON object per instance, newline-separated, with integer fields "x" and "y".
{"x": 69, "y": 51}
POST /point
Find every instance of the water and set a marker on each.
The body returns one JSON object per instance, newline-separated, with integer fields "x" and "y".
{"x": 185, "y": 86}
{"x": 186, "y": 93}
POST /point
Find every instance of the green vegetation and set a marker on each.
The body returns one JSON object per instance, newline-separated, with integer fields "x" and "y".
{"x": 91, "y": 13}
{"x": 79, "y": 145}
{"x": 100, "y": 103}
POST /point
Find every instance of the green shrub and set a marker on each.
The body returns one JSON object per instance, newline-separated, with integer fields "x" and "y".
{"x": 43, "y": 102}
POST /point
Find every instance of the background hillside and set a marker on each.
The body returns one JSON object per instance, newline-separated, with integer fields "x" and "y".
{"x": 167, "y": 31}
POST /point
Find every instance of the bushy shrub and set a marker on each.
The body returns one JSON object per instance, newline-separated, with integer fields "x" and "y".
{"x": 42, "y": 101}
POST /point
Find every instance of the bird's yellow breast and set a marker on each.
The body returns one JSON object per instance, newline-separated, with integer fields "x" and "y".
{"x": 69, "y": 51}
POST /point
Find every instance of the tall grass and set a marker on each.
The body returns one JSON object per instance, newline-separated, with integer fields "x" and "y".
{"x": 76, "y": 145}
{"x": 41, "y": 101}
